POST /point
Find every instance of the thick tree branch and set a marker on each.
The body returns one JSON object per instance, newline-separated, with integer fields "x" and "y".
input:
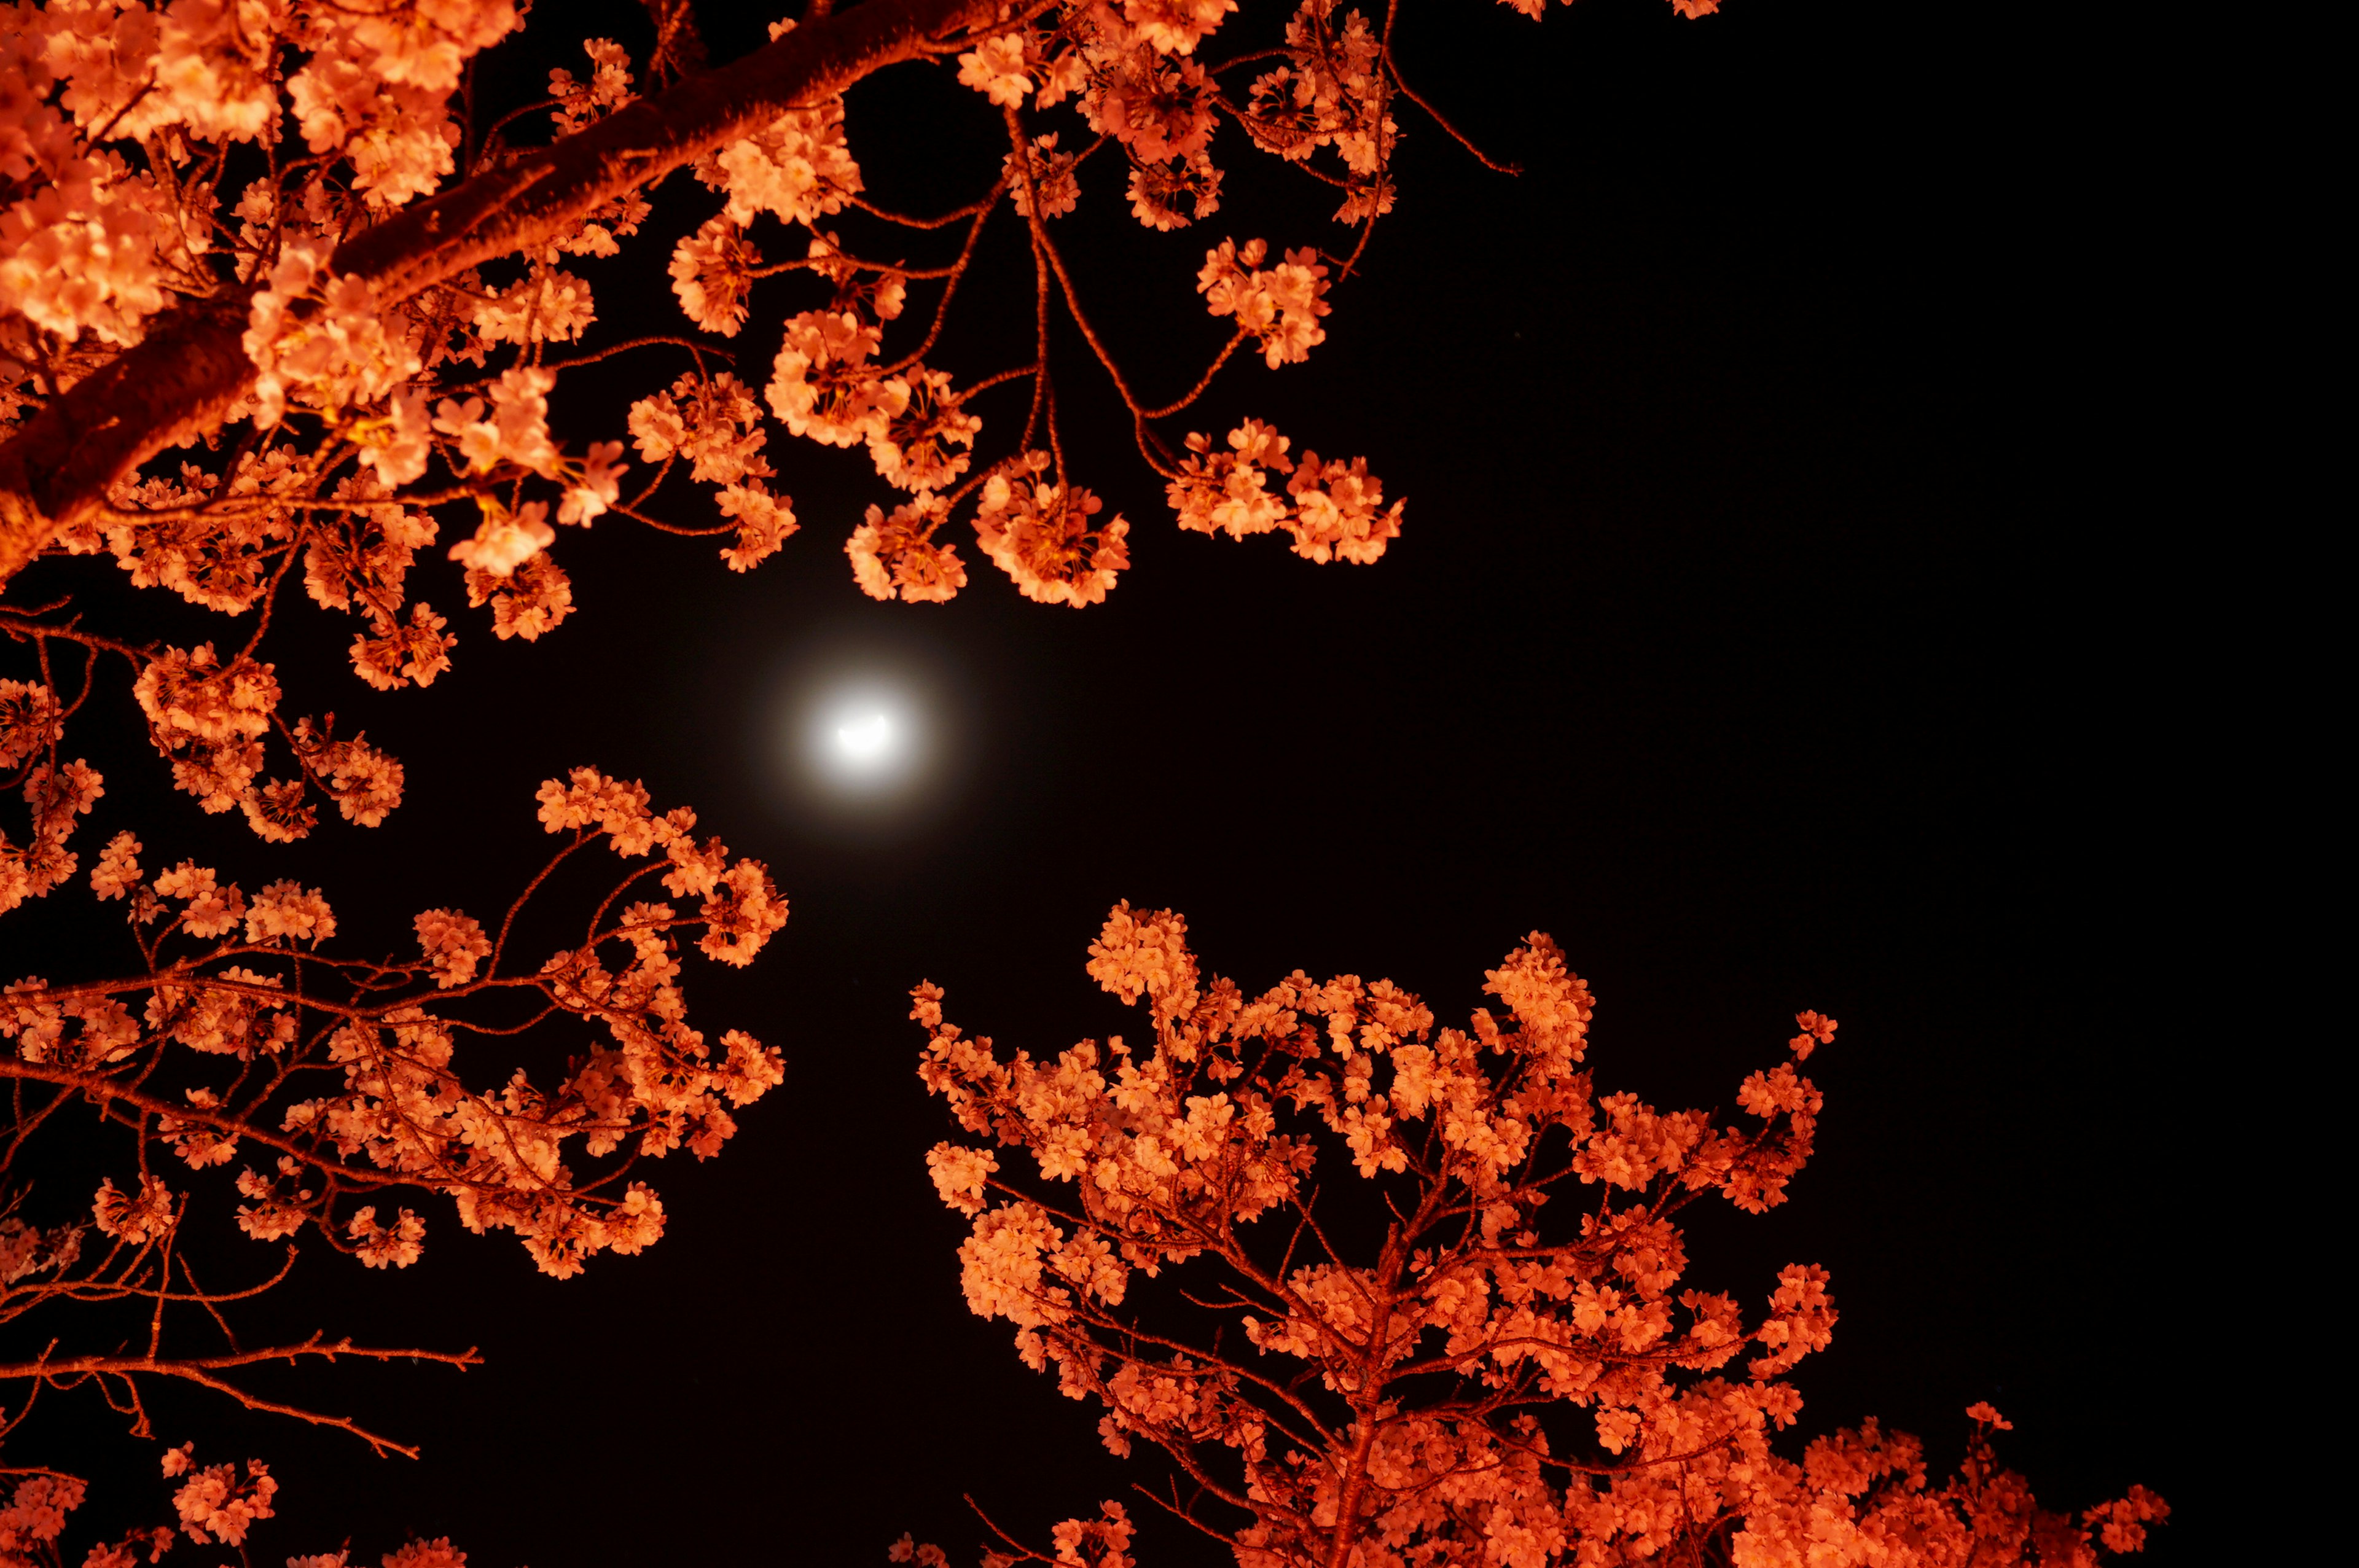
{"x": 192, "y": 368}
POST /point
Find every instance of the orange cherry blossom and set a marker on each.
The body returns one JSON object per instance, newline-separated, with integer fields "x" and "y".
{"x": 1308, "y": 1244}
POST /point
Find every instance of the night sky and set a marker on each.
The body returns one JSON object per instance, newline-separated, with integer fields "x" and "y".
{"x": 1747, "y": 633}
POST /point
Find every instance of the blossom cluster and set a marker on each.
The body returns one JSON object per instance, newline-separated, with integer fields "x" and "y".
{"x": 713, "y": 273}
{"x": 1131, "y": 70}
{"x": 823, "y": 385}
{"x": 895, "y": 556}
{"x": 1337, "y": 509}
{"x": 57, "y": 795}
{"x": 1280, "y": 305}
{"x": 1043, "y": 533}
{"x": 208, "y": 539}
{"x": 797, "y": 168}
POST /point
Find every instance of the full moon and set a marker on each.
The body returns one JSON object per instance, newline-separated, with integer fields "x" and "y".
{"x": 866, "y": 742}
{"x": 865, "y": 734}
{"x": 863, "y": 737}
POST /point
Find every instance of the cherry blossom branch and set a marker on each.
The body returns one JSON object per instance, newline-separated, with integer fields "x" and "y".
{"x": 690, "y": 344}
{"x": 99, "y": 1086}
{"x": 987, "y": 383}
{"x": 192, "y": 367}
{"x": 971, "y": 209}
{"x": 1023, "y": 159}
{"x": 1131, "y": 1331}
{"x": 680, "y": 530}
{"x": 1203, "y": 382}
{"x": 1392, "y": 67}
{"x": 202, "y": 1371}
{"x": 956, "y": 272}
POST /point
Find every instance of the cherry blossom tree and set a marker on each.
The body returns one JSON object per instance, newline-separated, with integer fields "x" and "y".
{"x": 1380, "y": 1292}
{"x": 243, "y": 1063}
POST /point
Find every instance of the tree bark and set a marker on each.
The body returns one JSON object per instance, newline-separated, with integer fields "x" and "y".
{"x": 184, "y": 377}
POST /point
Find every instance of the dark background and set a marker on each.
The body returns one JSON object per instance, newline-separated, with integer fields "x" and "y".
{"x": 1759, "y": 629}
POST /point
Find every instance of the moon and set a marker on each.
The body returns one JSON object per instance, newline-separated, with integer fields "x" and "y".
{"x": 868, "y": 740}
{"x": 864, "y": 736}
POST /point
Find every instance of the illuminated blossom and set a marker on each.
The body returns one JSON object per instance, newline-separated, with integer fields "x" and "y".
{"x": 1228, "y": 492}
{"x": 504, "y": 540}
{"x": 1043, "y": 172}
{"x": 797, "y": 168}
{"x": 579, "y": 103}
{"x": 546, "y": 305}
{"x": 396, "y": 445}
{"x": 454, "y": 944}
{"x": 927, "y": 445}
{"x": 216, "y": 1502}
{"x": 1335, "y": 511}
{"x": 896, "y": 555}
{"x": 28, "y": 721}
{"x": 1280, "y": 306}
{"x": 141, "y": 1217}
{"x": 597, "y": 487}
{"x": 395, "y": 1246}
{"x": 1175, "y": 26}
{"x": 337, "y": 352}
{"x": 1158, "y": 108}
{"x": 713, "y": 272}
{"x": 287, "y": 909}
{"x": 764, "y": 522}
{"x": 996, "y": 70}
{"x": 714, "y": 423}
{"x": 209, "y": 717}
{"x": 1157, "y": 191}
{"x": 1041, "y": 535}
{"x": 823, "y": 386}
{"x": 117, "y": 872}
{"x": 365, "y": 783}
